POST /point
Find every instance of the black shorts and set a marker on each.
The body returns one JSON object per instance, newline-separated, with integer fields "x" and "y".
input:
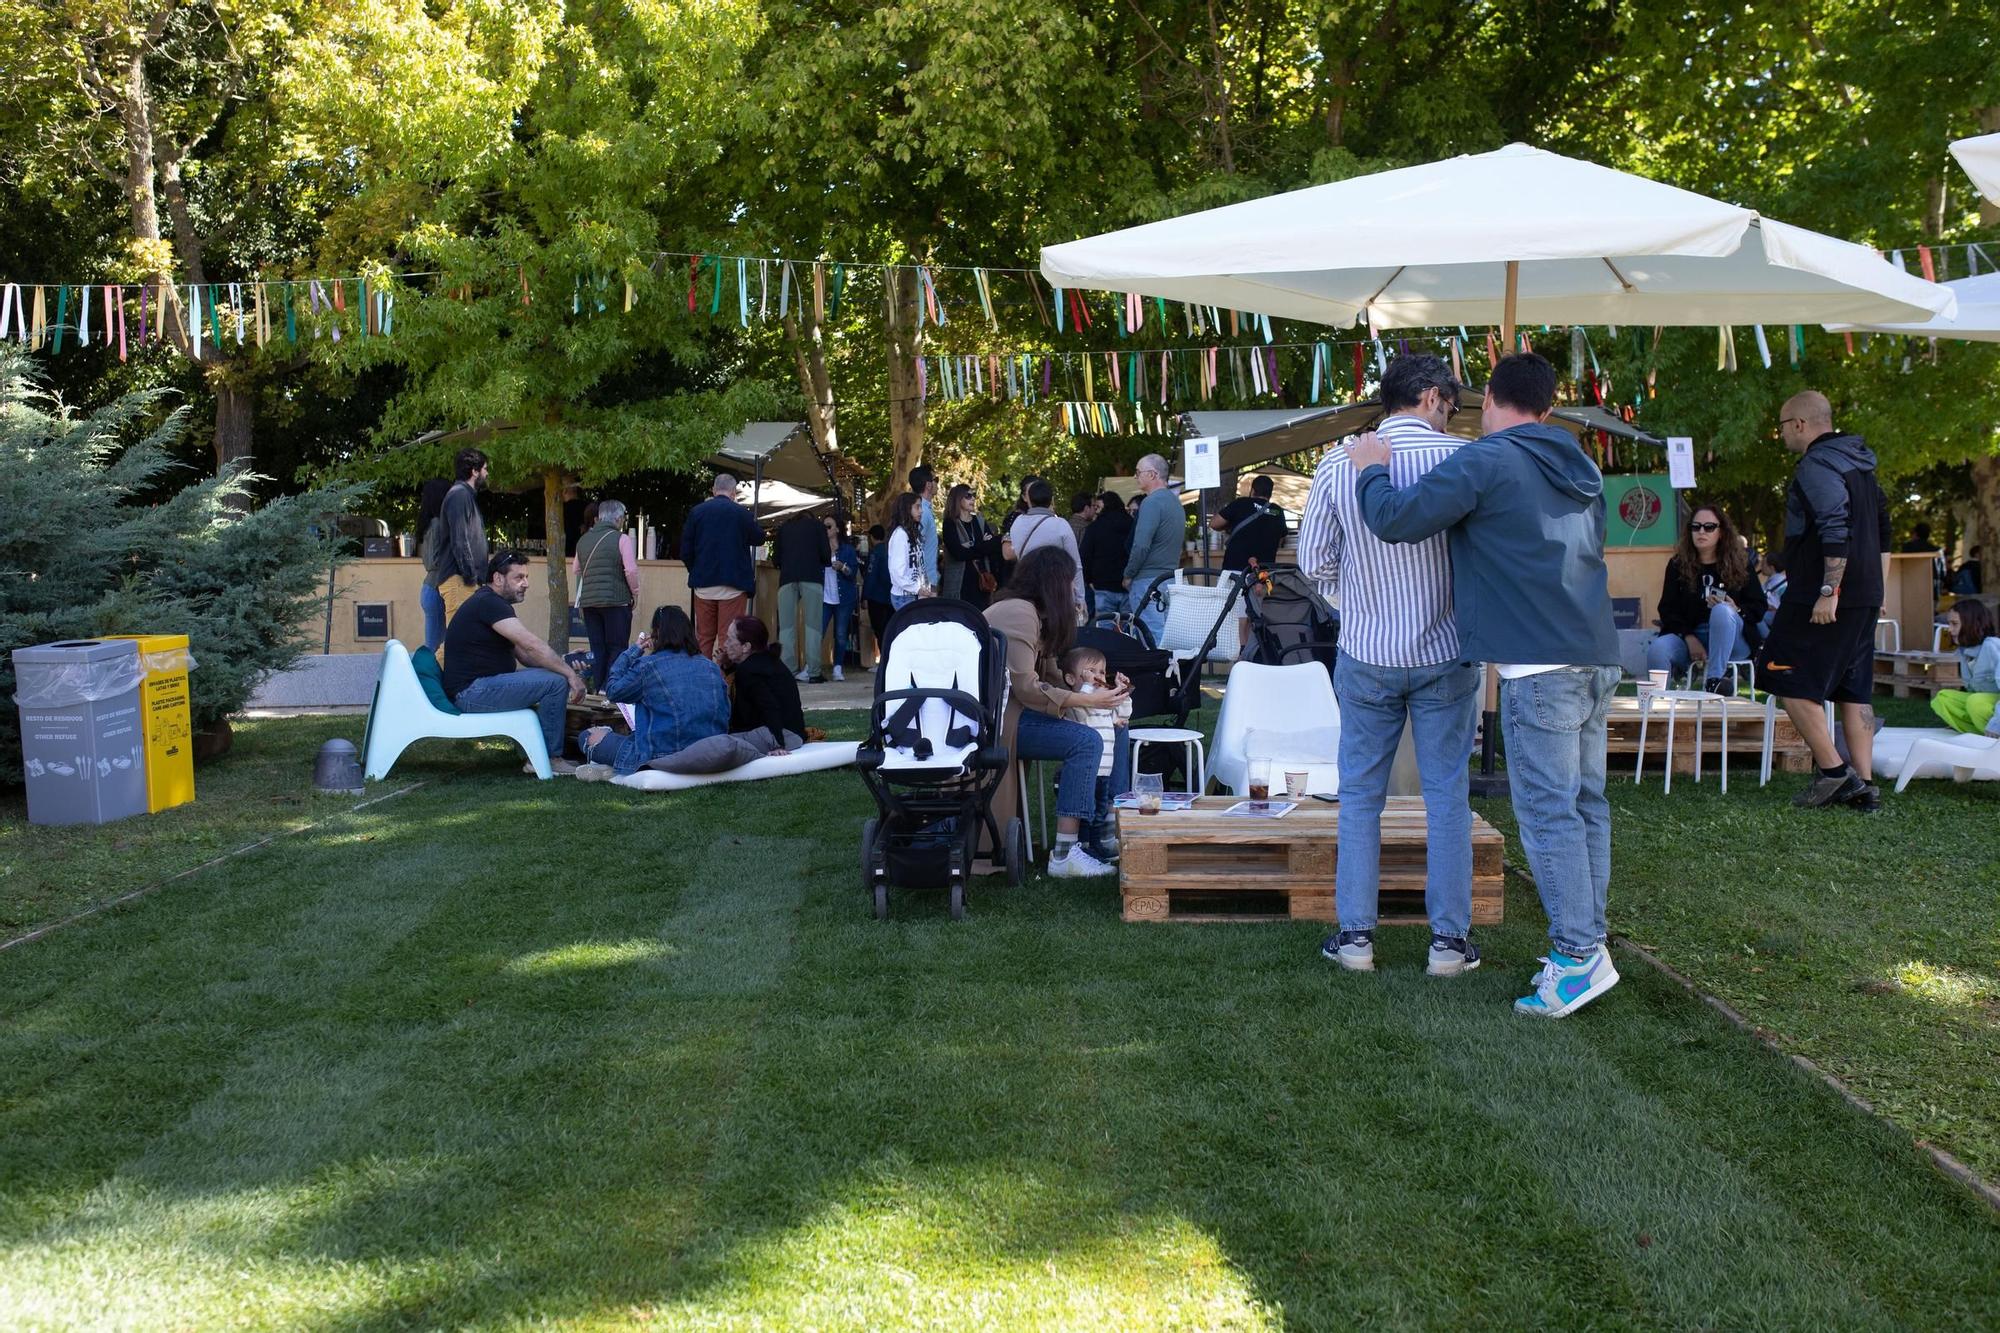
{"x": 1801, "y": 660}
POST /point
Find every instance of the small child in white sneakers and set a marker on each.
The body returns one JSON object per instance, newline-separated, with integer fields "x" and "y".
{"x": 1085, "y": 671}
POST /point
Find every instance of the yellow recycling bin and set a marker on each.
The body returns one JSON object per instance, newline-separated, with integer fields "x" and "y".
{"x": 163, "y": 701}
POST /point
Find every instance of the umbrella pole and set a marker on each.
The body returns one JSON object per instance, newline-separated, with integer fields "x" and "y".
{"x": 1488, "y": 781}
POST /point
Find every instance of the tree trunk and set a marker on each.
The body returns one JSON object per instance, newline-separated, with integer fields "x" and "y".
{"x": 235, "y": 416}
{"x": 809, "y": 361}
{"x": 1985, "y": 530}
{"x": 906, "y": 405}
{"x": 554, "y": 479}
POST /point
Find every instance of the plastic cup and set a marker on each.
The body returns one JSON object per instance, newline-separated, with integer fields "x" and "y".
{"x": 1149, "y": 787}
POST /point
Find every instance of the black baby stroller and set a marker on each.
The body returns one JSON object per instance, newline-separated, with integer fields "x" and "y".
{"x": 1289, "y": 620}
{"x": 935, "y": 754}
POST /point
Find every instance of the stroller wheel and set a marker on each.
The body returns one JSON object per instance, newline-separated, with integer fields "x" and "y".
{"x": 1016, "y": 838}
{"x": 870, "y": 881}
{"x": 958, "y": 900}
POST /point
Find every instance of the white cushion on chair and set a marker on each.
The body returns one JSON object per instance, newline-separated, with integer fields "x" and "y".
{"x": 806, "y": 759}
{"x": 1297, "y": 699}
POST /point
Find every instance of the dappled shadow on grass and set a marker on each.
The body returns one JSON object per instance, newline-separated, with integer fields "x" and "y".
{"x": 594, "y": 1054}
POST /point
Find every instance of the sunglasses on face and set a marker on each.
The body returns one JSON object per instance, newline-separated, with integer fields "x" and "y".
{"x": 1704, "y": 527}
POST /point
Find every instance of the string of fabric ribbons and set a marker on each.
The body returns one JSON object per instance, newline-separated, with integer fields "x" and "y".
{"x": 196, "y": 316}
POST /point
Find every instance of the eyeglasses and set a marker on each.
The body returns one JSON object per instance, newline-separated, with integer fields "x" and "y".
{"x": 1704, "y": 527}
{"x": 1786, "y": 421}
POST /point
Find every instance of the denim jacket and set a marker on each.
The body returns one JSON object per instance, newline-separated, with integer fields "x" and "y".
{"x": 680, "y": 699}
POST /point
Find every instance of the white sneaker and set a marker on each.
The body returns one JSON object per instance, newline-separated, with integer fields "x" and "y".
{"x": 836, "y": 673}
{"x": 801, "y": 676}
{"x": 1079, "y": 864}
{"x": 561, "y": 768}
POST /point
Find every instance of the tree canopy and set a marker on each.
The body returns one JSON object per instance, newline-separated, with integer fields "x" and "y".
{"x": 518, "y": 198}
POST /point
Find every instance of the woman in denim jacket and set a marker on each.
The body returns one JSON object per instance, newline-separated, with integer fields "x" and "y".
{"x": 678, "y": 695}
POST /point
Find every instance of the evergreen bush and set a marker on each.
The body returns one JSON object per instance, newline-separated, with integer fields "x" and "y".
{"x": 96, "y": 538}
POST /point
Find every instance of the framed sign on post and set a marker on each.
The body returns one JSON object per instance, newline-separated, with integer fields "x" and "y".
{"x": 1201, "y": 463}
{"x": 1639, "y": 511}
{"x": 1680, "y": 462}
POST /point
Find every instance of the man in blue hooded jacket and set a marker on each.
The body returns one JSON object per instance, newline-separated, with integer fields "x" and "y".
{"x": 1523, "y": 513}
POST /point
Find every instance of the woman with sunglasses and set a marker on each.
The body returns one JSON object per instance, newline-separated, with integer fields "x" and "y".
{"x": 1710, "y": 602}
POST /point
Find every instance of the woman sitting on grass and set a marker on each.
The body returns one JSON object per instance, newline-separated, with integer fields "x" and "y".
{"x": 1971, "y": 709}
{"x": 766, "y": 695}
{"x": 677, "y": 695}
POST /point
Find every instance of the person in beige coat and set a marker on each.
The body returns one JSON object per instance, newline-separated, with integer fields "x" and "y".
{"x": 1036, "y": 614}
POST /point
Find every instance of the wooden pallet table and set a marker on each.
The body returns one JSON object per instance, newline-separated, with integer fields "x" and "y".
{"x": 1203, "y": 865}
{"x": 1906, "y": 674}
{"x": 1746, "y": 738}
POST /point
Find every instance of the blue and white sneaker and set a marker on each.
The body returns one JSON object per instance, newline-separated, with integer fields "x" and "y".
{"x": 1352, "y": 949}
{"x": 1566, "y": 984}
{"x": 1451, "y": 955}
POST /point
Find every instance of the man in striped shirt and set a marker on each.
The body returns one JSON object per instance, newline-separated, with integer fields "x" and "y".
{"x": 1399, "y": 657}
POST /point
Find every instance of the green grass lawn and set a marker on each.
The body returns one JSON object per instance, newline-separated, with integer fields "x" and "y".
{"x": 503, "y": 1053}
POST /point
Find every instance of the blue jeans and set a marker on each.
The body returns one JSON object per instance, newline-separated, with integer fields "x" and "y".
{"x": 529, "y": 687}
{"x": 899, "y": 600}
{"x": 1669, "y": 652}
{"x": 1103, "y": 823}
{"x": 840, "y": 615}
{"x": 1442, "y": 704}
{"x": 433, "y": 604}
{"x": 1555, "y": 732}
{"x": 1153, "y": 617}
{"x": 1103, "y": 603}
{"x": 1076, "y": 747}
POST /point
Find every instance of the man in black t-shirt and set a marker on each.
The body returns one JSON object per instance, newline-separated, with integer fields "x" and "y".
{"x": 494, "y": 664}
{"x": 1822, "y": 641}
{"x": 1256, "y": 527}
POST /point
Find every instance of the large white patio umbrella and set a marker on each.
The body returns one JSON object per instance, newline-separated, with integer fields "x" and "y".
{"x": 1981, "y": 159}
{"x": 1977, "y": 320}
{"x": 1514, "y": 234}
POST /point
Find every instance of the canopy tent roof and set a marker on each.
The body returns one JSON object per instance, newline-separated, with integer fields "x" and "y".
{"x": 1432, "y": 246}
{"x": 1248, "y": 439}
{"x": 776, "y": 501}
{"x": 787, "y": 452}
{"x": 1981, "y": 159}
{"x": 1977, "y": 320}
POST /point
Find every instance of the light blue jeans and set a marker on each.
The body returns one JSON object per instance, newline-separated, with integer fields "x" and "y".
{"x": 1151, "y": 616}
{"x": 1669, "y": 652}
{"x": 899, "y": 600}
{"x": 1105, "y": 603}
{"x": 1442, "y": 704}
{"x": 1555, "y": 734}
{"x": 530, "y": 687}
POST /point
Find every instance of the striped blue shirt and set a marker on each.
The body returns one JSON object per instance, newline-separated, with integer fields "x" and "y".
{"x": 1394, "y": 598}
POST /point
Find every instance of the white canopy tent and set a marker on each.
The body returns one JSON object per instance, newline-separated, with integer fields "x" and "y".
{"x": 1515, "y": 234}
{"x": 1981, "y": 159}
{"x": 784, "y": 452}
{"x": 1977, "y": 320}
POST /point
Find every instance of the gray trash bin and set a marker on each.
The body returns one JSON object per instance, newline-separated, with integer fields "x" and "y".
{"x": 83, "y": 741}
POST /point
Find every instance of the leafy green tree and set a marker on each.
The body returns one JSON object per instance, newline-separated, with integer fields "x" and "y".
{"x": 81, "y": 554}
{"x": 530, "y": 157}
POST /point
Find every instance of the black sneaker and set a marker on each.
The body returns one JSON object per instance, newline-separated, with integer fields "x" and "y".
{"x": 1352, "y": 949}
{"x": 1721, "y": 685}
{"x": 1451, "y": 955}
{"x": 1868, "y": 800}
{"x": 1824, "y": 791}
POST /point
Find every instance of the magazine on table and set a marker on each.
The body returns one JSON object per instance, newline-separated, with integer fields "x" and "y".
{"x": 1261, "y": 809}
{"x": 1169, "y": 800}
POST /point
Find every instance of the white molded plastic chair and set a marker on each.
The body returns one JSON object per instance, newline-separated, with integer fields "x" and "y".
{"x": 402, "y": 713}
{"x": 1283, "y": 699}
{"x": 1970, "y": 758}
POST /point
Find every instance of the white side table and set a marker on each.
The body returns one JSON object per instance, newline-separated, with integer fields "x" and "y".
{"x": 1673, "y": 699}
{"x": 1193, "y": 758}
